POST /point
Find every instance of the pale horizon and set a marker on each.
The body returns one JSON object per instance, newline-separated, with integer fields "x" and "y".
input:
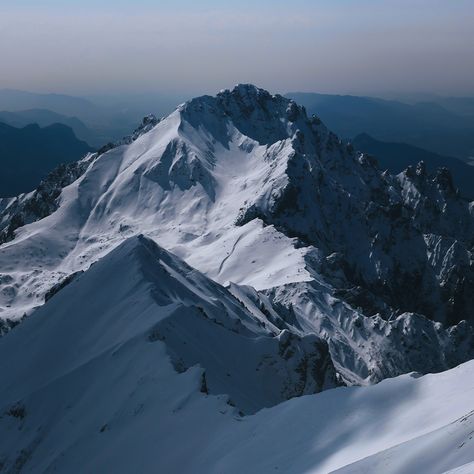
{"x": 352, "y": 47}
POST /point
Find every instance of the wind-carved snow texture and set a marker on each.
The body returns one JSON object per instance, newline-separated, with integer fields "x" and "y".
{"x": 312, "y": 235}
{"x": 142, "y": 363}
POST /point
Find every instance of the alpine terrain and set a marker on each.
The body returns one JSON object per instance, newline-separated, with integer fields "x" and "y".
{"x": 227, "y": 290}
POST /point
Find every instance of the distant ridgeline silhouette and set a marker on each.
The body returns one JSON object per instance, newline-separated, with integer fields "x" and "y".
{"x": 395, "y": 157}
{"x": 28, "y": 154}
{"x": 446, "y": 128}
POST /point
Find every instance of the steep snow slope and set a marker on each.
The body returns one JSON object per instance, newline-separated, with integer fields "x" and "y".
{"x": 440, "y": 449}
{"x": 248, "y": 189}
{"x": 144, "y": 377}
{"x": 140, "y": 290}
{"x": 335, "y": 428}
{"x": 162, "y": 184}
{"x": 465, "y": 469}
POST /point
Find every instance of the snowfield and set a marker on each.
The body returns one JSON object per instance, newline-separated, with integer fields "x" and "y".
{"x": 153, "y": 372}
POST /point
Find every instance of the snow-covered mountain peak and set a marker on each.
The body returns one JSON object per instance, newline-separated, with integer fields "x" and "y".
{"x": 183, "y": 182}
{"x": 246, "y": 188}
{"x": 254, "y": 112}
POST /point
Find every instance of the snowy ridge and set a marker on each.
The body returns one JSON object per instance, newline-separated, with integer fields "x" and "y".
{"x": 249, "y": 190}
{"x": 200, "y": 322}
{"x": 151, "y": 374}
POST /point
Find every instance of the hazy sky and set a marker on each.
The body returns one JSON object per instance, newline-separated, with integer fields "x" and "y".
{"x": 338, "y": 46}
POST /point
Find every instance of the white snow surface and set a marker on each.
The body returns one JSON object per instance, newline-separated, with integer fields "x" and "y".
{"x": 465, "y": 469}
{"x": 177, "y": 185}
{"x": 97, "y": 389}
{"x": 202, "y": 182}
{"x": 142, "y": 363}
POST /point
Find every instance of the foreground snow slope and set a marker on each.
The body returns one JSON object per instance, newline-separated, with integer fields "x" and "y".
{"x": 425, "y": 418}
{"x": 138, "y": 378}
{"x": 464, "y": 469}
{"x": 450, "y": 445}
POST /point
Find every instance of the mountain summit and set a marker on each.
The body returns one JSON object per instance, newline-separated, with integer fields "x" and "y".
{"x": 249, "y": 190}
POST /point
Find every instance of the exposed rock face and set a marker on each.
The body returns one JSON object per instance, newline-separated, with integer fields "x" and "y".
{"x": 27, "y": 208}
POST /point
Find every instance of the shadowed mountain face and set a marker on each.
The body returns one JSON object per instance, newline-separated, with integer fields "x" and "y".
{"x": 28, "y": 154}
{"x": 396, "y": 157}
{"x": 427, "y": 125}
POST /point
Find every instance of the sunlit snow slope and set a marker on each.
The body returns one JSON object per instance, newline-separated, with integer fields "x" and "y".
{"x": 181, "y": 184}
{"x": 152, "y": 372}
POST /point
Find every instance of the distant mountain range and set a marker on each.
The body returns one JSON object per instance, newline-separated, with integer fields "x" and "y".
{"x": 15, "y": 100}
{"x": 441, "y": 125}
{"x": 446, "y": 127}
{"x": 396, "y": 157}
{"x": 28, "y": 154}
{"x": 97, "y": 121}
{"x": 44, "y": 118}
{"x": 41, "y": 131}
{"x": 398, "y": 134}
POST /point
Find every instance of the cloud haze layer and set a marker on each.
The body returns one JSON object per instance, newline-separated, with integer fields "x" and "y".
{"x": 343, "y": 46}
